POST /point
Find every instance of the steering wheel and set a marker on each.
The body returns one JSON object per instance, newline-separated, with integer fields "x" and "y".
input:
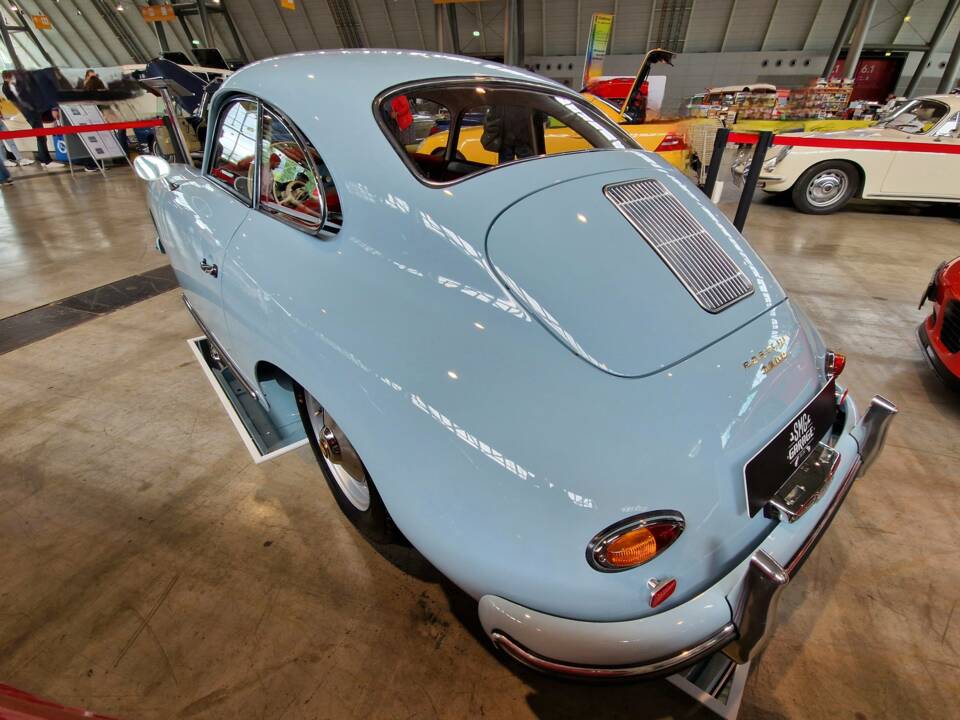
{"x": 295, "y": 193}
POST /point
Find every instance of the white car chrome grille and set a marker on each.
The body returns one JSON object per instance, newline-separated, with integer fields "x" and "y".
{"x": 705, "y": 270}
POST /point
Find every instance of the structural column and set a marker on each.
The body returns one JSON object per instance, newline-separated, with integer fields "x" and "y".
{"x": 859, "y": 38}
{"x": 513, "y": 32}
{"x": 945, "y": 18}
{"x": 842, "y": 36}
{"x": 949, "y": 77}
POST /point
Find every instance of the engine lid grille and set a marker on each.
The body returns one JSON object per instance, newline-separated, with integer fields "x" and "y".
{"x": 702, "y": 266}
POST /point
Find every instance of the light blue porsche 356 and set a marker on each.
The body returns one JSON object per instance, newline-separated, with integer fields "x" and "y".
{"x": 563, "y": 376}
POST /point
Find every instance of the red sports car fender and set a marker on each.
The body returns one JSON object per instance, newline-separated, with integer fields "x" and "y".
{"x": 939, "y": 333}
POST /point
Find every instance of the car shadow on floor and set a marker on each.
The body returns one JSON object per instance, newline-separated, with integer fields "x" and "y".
{"x": 551, "y": 697}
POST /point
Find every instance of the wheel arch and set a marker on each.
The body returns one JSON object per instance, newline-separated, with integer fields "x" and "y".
{"x": 861, "y": 173}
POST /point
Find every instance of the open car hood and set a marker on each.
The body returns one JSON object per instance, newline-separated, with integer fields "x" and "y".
{"x": 578, "y": 263}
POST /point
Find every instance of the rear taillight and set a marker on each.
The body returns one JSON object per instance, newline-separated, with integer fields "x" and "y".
{"x": 671, "y": 141}
{"x": 835, "y": 363}
{"x": 634, "y": 541}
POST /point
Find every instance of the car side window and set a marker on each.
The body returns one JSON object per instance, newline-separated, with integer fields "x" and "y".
{"x": 294, "y": 181}
{"x": 948, "y": 128}
{"x": 232, "y": 162}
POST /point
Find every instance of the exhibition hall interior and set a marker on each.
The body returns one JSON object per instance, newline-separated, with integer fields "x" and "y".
{"x": 479, "y": 359}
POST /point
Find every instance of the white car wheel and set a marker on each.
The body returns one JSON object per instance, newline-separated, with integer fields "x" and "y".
{"x": 343, "y": 469}
{"x": 351, "y": 479}
{"x": 826, "y": 187}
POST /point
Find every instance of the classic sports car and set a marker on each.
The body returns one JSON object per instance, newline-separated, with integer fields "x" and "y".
{"x": 664, "y": 137}
{"x": 939, "y": 334}
{"x": 822, "y": 180}
{"x": 445, "y": 327}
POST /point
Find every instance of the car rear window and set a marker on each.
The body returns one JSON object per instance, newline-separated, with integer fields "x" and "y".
{"x": 449, "y": 130}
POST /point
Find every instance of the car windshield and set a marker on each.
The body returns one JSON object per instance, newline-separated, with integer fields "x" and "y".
{"x": 916, "y": 117}
{"x": 449, "y": 130}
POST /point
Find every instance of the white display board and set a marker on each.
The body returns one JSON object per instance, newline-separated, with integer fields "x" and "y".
{"x": 102, "y": 145}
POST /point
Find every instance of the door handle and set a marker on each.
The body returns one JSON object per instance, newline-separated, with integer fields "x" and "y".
{"x": 171, "y": 185}
{"x": 211, "y": 270}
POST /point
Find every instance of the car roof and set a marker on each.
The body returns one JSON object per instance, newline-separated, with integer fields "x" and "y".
{"x": 329, "y": 95}
{"x": 952, "y": 100}
{"x": 367, "y": 72}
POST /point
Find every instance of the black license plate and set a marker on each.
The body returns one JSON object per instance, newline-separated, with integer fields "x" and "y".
{"x": 769, "y": 469}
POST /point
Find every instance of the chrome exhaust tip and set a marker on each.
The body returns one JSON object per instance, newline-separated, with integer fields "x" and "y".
{"x": 871, "y": 433}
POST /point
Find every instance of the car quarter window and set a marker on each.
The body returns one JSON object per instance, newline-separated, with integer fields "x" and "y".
{"x": 295, "y": 184}
{"x": 948, "y": 128}
{"x": 234, "y": 152}
{"x": 460, "y": 128}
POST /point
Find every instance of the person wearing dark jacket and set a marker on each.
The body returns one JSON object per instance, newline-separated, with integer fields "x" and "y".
{"x": 20, "y": 96}
{"x": 92, "y": 81}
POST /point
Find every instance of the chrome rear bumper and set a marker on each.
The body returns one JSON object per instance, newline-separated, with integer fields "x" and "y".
{"x": 754, "y": 611}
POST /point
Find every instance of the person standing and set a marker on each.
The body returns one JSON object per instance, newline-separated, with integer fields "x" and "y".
{"x": 92, "y": 82}
{"x": 13, "y": 157}
{"x": 33, "y": 115}
{"x": 5, "y": 176}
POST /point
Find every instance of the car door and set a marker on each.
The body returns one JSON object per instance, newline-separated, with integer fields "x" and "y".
{"x": 204, "y": 210}
{"x": 926, "y": 174}
{"x": 296, "y": 209}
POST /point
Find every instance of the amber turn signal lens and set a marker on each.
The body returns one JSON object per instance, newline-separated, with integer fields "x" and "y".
{"x": 634, "y": 541}
{"x": 631, "y": 548}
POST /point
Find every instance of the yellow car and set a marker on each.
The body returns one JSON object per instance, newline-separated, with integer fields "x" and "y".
{"x": 665, "y": 138}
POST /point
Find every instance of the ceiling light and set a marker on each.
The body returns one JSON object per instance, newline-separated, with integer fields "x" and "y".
{"x": 907, "y": 19}
{"x": 476, "y": 33}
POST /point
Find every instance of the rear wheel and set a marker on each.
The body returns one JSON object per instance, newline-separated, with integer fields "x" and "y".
{"x": 826, "y": 187}
{"x": 344, "y": 471}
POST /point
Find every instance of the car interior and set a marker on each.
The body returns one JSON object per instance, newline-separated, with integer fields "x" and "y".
{"x": 487, "y": 125}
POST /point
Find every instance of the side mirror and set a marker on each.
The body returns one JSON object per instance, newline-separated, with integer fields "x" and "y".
{"x": 151, "y": 167}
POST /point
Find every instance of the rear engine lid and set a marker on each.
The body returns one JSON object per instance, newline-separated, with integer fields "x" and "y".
{"x": 631, "y": 271}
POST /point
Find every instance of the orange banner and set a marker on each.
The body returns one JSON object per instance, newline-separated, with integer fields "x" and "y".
{"x": 42, "y": 22}
{"x": 158, "y": 13}
{"x": 288, "y": 4}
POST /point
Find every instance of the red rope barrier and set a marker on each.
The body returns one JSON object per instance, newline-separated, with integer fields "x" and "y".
{"x": 896, "y": 145}
{"x": 79, "y": 129}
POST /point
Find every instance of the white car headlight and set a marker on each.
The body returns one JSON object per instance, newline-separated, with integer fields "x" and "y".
{"x": 771, "y": 163}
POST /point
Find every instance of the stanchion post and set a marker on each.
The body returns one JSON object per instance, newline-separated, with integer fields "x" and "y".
{"x": 716, "y": 157}
{"x": 750, "y": 182}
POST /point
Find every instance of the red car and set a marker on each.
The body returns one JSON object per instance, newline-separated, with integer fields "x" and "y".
{"x": 613, "y": 89}
{"x": 939, "y": 334}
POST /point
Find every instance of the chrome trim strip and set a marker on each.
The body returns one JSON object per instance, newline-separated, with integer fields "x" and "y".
{"x": 224, "y": 355}
{"x": 662, "y": 666}
{"x": 803, "y": 552}
{"x": 681, "y": 241}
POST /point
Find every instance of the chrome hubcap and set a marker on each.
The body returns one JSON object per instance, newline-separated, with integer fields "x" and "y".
{"x": 827, "y": 187}
{"x": 340, "y": 457}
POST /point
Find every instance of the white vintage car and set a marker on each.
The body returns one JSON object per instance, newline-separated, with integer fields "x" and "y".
{"x": 822, "y": 180}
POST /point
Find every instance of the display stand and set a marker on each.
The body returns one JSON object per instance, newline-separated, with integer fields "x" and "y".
{"x": 717, "y": 683}
{"x": 97, "y": 146}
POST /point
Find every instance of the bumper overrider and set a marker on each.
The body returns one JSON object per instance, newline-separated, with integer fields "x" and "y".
{"x": 734, "y": 616}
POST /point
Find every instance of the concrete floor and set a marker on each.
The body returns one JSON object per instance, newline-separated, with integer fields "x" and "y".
{"x": 150, "y": 570}
{"x": 60, "y": 236}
